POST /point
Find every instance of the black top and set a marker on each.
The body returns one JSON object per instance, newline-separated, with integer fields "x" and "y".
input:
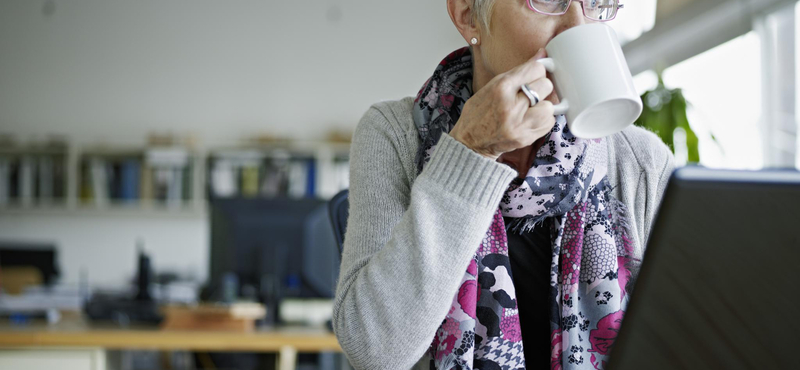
{"x": 530, "y": 257}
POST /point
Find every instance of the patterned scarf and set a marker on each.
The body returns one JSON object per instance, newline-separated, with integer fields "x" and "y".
{"x": 591, "y": 252}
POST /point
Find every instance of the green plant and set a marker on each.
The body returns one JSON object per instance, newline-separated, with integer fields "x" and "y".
{"x": 664, "y": 113}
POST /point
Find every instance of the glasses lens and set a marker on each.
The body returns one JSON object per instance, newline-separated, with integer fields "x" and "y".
{"x": 600, "y": 10}
{"x": 549, "y": 6}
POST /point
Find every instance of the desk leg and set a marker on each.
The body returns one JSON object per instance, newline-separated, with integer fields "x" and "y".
{"x": 287, "y": 358}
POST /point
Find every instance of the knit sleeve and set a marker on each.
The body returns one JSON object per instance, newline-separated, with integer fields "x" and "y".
{"x": 407, "y": 246}
{"x": 666, "y": 161}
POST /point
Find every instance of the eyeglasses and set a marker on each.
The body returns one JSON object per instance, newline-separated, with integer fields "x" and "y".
{"x": 596, "y": 10}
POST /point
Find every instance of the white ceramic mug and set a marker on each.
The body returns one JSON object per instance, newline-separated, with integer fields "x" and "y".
{"x": 593, "y": 81}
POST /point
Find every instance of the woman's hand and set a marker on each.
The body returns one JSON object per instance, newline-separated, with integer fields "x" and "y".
{"x": 499, "y": 119}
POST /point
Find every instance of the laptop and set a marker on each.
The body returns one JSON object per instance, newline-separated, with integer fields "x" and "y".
{"x": 719, "y": 286}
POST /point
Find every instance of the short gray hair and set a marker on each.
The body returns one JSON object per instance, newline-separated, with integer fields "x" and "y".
{"x": 483, "y": 12}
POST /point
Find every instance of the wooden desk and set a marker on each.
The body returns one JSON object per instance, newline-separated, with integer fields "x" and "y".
{"x": 287, "y": 342}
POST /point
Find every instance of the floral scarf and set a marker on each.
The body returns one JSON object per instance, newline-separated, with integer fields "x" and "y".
{"x": 591, "y": 252}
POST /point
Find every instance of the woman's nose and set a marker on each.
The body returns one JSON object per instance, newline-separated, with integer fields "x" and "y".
{"x": 573, "y": 17}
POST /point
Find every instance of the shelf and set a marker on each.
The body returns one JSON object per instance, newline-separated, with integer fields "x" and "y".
{"x": 84, "y": 166}
{"x": 295, "y": 149}
{"x": 186, "y": 210}
{"x": 34, "y": 151}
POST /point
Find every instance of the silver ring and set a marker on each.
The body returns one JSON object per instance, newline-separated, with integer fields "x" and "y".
{"x": 532, "y": 95}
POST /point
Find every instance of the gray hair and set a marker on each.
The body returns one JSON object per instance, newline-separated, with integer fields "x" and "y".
{"x": 482, "y": 11}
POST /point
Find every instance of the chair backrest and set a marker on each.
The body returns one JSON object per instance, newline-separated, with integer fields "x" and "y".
{"x": 339, "y": 209}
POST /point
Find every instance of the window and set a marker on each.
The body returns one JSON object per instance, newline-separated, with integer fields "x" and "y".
{"x": 723, "y": 89}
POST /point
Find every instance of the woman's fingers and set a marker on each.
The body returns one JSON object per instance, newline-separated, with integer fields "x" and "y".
{"x": 540, "y": 119}
{"x": 543, "y": 88}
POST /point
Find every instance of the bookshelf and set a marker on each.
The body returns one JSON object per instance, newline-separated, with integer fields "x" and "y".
{"x": 293, "y": 170}
{"x": 163, "y": 181}
{"x": 34, "y": 176}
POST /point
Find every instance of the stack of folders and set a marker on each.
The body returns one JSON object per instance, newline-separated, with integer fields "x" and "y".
{"x": 161, "y": 174}
{"x": 254, "y": 174}
{"x": 171, "y": 175}
{"x": 107, "y": 179}
{"x": 32, "y": 179}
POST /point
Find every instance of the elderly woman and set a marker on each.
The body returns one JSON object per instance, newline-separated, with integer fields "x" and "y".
{"x": 482, "y": 233}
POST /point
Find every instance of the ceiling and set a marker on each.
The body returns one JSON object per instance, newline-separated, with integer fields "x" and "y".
{"x": 685, "y": 28}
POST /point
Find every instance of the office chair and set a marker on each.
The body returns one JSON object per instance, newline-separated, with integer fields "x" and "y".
{"x": 339, "y": 207}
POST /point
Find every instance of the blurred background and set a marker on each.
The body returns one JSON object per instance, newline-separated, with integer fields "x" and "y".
{"x": 143, "y": 144}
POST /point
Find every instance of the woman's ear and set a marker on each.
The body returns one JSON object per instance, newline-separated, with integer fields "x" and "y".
{"x": 463, "y": 17}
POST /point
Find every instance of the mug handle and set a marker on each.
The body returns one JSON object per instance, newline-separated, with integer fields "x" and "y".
{"x": 550, "y": 65}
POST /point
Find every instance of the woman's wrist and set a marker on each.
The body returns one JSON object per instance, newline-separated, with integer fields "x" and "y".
{"x": 467, "y": 141}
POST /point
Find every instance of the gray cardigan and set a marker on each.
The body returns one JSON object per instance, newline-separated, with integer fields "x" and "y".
{"x": 410, "y": 237}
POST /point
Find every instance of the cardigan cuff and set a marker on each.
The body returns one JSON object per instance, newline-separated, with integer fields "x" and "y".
{"x": 467, "y": 174}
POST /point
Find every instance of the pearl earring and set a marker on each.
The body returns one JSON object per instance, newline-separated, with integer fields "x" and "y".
{"x": 474, "y": 41}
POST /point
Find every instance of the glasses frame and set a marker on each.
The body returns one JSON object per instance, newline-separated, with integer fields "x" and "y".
{"x": 569, "y": 3}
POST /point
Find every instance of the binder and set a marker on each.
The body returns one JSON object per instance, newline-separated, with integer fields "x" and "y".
{"x": 99, "y": 181}
{"x": 5, "y": 179}
{"x": 129, "y": 180}
{"x": 223, "y": 179}
{"x": 26, "y": 180}
{"x": 45, "y": 180}
{"x": 250, "y": 181}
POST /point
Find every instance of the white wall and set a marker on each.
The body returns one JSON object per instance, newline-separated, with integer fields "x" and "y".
{"x": 223, "y": 69}
{"x": 103, "y": 244}
{"x": 117, "y": 69}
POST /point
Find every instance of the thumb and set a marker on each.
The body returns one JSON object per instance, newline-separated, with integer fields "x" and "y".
{"x": 542, "y": 53}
